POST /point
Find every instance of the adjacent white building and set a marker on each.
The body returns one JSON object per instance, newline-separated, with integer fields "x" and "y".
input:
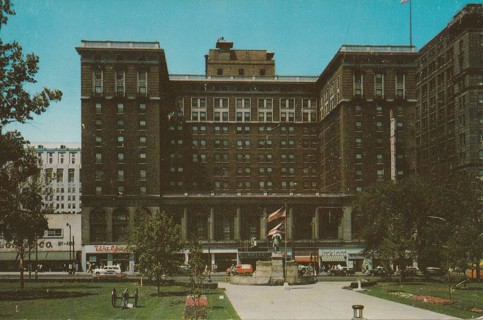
{"x": 61, "y": 166}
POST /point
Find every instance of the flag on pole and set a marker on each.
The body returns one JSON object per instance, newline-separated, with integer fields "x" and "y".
{"x": 404, "y": 1}
{"x": 279, "y": 228}
{"x": 280, "y": 213}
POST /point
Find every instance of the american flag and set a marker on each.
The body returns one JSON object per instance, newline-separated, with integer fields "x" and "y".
{"x": 279, "y": 228}
{"x": 280, "y": 213}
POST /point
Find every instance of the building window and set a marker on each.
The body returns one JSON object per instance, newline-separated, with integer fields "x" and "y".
{"x": 143, "y": 83}
{"x": 309, "y": 110}
{"x": 98, "y": 157}
{"x": 98, "y": 191}
{"x": 50, "y": 157}
{"x": 358, "y": 84}
{"x": 142, "y": 107}
{"x": 142, "y": 123}
{"x": 72, "y": 158}
{"x": 120, "y": 83}
{"x": 120, "y": 156}
{"x": 71, "y": 175}
{"x": 98, "y": 108}
{"x": 379, "y": 126}
{"x": 142, "y": 140}
{"x": 53, "y": 233}
{"x": 241, "y": 72}
{"x": 98, "y": 82}
{"x": 120, "y": 108}
{"x": 243, "y": 110}
{"x": 379, "y": 110}
{"x": 142, "y": 156}
{"x": 198, "y": 109}
{"x": 120, "y": 174}
{"x": 358, "y": 142}
{"x": 219, "y": 72}
{"x": 379, "y": 85}
{"x": 60, "y": 175}
{"x": 98, "y": 140}
{"x": 120, "y": 140}
{"x": 142, "y": 190}
{"x": 287, "y": 110}
{"x": 265, "y": 110}
{"x": 220, "y": 109}
{"x": 400, "y": 86}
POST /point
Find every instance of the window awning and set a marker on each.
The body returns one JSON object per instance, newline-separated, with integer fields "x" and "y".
{"x": 334, "y": 258}
{"x": 305, "y": 259}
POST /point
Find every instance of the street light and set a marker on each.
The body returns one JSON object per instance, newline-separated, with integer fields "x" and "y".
{"x": 70, "y": 237}
{"x": 447, "y": 256}
{"x": 209, "y": 249}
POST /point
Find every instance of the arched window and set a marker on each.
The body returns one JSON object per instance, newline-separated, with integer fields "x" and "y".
{"x": 120, "y": 225}
{"x": 98, "y": 225}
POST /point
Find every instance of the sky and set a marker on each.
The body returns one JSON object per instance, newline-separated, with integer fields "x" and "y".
{"x": 304, "y": 34}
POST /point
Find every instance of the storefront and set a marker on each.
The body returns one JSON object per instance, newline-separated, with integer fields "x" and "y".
{"x": 347, "y": 257}
{"x": 95, "y": 256}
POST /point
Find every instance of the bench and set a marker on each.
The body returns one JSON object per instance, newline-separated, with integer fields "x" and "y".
{"x": 124, "y": 297}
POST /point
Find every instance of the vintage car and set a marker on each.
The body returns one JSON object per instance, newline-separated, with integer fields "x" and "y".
{"x": 107, "y": 270}
{"x": 343, "y": 271}
{"x": 243, "y": 269}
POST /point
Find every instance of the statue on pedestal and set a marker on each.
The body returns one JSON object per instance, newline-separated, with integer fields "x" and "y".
{"x": 276, "y": 238}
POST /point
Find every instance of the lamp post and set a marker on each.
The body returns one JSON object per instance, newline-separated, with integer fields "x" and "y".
{"x": 447, "y": 256}
{"x": 209, "y": 249}
{"x": 69, "y": 242}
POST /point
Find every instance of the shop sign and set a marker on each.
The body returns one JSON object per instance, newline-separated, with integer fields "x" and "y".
{"x": 340, "y": 252}
{"x": 254, "y": 254}
{"x": 40, "y": 244}
{"x": 111, "y": 249}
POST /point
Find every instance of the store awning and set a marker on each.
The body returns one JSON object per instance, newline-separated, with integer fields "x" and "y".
{"x": 305, "y": 259}
{"x": 334, "y": 258}
{"x": 41, "y": 255}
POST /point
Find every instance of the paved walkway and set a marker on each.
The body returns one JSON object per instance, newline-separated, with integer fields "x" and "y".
{"x": 323, "y": 300}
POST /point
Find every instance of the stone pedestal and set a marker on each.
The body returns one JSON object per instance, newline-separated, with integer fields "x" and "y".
{"x": 277, "y": 270}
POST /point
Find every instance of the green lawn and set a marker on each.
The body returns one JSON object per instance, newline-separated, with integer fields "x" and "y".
{"x": 466, "y": 303}
{"x": 92, "y": 300}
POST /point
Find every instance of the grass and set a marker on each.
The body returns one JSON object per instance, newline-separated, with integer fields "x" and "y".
{"x": 465, "y": 302}
{"x": 86, "y": 300}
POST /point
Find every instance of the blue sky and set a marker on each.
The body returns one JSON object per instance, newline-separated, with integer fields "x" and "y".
{"x": 304, "y": 35}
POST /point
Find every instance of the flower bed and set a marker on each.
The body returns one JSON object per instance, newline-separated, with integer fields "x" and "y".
{"x": 427, "y": 299}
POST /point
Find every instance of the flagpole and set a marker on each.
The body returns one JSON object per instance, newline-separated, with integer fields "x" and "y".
{"x": 286, "y": 237}
{"x": 410, "y": 23}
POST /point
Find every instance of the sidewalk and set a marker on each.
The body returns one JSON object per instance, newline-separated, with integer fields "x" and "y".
{"x": 323, "y": 300}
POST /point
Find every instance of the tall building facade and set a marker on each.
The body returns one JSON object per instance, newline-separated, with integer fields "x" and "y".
{"x": 449, "y": 111}
{"x": 221, "y": 151}
{"x": 61, "y": 170}
{"x": 367, "y": 100}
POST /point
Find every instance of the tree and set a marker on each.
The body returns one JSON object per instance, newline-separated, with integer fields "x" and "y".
{"x": 21, "y": 216}
{"x": 156, "y": 244}
{"x": 436, "y": 223}
{"x": 195, "y": 288}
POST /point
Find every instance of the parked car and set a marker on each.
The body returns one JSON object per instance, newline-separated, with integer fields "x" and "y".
{"x": 378, "y": 271}
{"x": 410, "y": 271}
{"x": 434, "y": 271}
{"x": 107, "y": 270}
{"x": 344, "y": 271}
{"x": 244, "y": 269}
